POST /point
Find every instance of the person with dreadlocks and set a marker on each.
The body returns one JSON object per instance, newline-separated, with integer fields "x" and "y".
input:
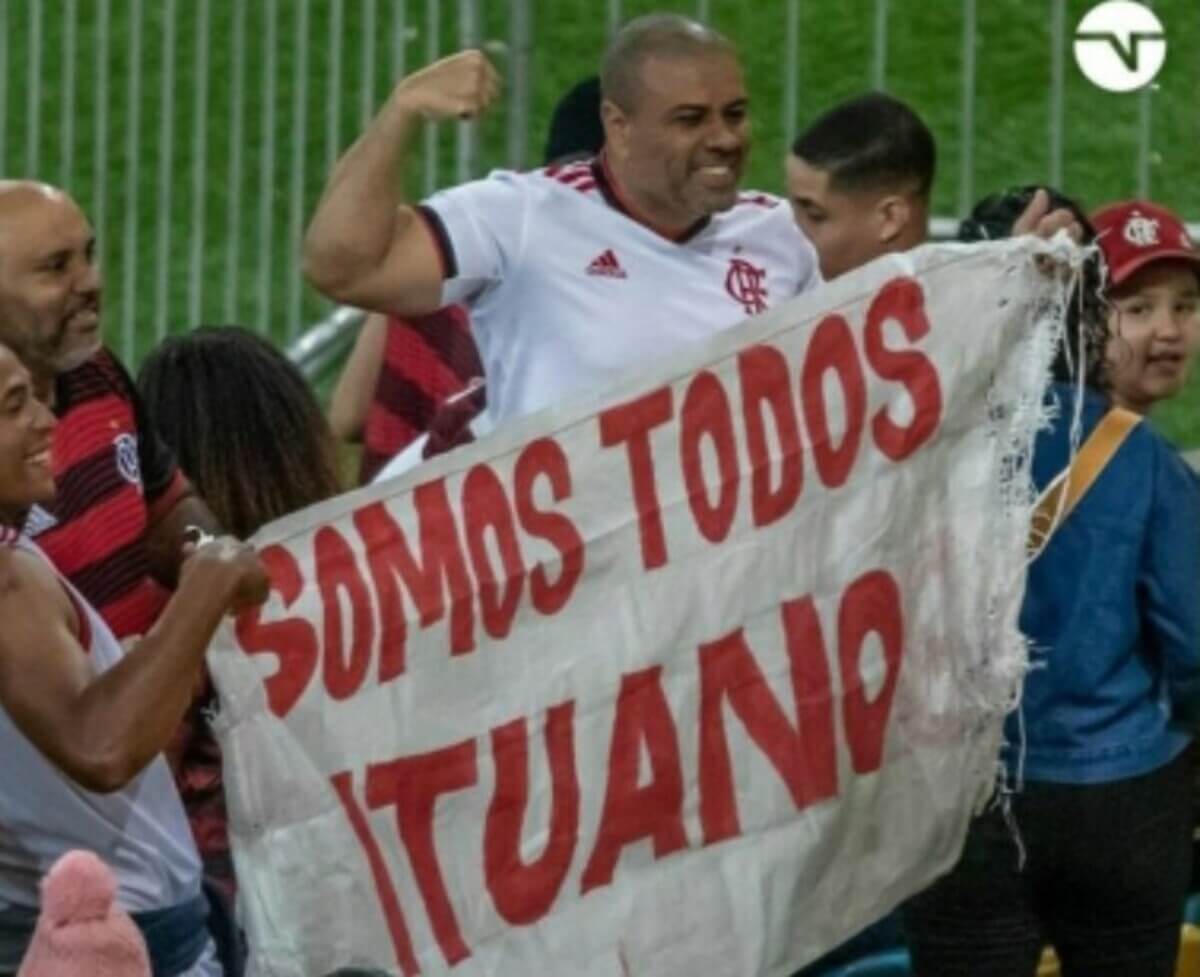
{"x": 243, "y": 423}
{"x": 246, "y": 428}
{"x": 1090, "y": 850}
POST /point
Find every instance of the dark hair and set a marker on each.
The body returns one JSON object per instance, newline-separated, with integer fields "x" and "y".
{"x": 872, "y": 142}
{"x": 662, "y": 35}
{"x": 575, "y": 127}
{"x": 992, "y": 218}
{"x": 243, "y": 423}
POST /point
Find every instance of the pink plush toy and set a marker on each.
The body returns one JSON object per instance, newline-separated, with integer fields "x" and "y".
{"x": 81, "y": 931}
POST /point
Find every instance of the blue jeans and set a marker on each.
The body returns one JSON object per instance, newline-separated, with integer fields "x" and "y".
{"x": 1104, "y": 879}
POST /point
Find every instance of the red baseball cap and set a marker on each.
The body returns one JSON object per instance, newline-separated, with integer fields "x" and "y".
{"x": 1135, "y": 233}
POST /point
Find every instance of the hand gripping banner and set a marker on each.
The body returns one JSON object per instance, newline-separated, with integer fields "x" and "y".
{"x": 700, "y": 675}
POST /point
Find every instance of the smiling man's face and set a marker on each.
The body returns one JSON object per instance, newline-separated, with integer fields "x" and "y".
{"x": 49, "y": 278}
{"x": 682, "y": 145}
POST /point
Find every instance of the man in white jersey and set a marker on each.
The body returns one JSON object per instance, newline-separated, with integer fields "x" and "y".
{"x": 576, "y": 274}
{"x": 83, "y": 725}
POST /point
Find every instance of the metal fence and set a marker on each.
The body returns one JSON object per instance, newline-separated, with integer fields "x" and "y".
{"x": 197, "y": 133}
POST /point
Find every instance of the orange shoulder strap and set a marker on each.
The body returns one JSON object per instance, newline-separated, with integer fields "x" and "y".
{"x": 1070, "y": 485}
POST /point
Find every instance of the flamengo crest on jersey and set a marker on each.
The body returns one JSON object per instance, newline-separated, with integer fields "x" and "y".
{"x": 567, "y": 292}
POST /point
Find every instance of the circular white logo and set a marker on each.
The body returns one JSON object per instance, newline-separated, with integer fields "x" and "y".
{"x": 1120, "y": 45}
{"x": 128, "y": 463}
{"x": 1141, "y": 232}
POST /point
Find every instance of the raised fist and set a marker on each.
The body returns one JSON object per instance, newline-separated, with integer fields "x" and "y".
{"x": 461, "y": 86}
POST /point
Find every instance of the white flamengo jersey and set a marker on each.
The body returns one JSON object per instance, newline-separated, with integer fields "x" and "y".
{"x": 140, "y": 830}
{"x": 568, "y": 291}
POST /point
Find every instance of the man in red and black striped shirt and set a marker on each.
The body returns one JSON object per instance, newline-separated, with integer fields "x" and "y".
{"x": 398, "y": 377}
{"x": 117, "y": 525}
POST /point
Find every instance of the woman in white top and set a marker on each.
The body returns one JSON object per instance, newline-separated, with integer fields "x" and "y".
{"x": 83, "y": 725}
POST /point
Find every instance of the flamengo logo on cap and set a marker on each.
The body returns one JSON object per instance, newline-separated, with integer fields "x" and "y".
{"x": 1141, "y": 231}
{"x": 606, "y": 265}
{"x": 1120, "y": 45}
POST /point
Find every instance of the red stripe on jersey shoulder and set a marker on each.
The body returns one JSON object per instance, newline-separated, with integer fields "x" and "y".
{"x": 758, "y": 199}
{"x": 570, "y": 172}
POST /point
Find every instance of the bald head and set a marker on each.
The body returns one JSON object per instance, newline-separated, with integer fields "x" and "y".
{"x": 665, "y": 36}
{"x": 49, "y": 281}
{"x": 21, "y": 198}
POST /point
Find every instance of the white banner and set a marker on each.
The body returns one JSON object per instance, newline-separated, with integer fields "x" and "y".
{"x": 697, "y": 677}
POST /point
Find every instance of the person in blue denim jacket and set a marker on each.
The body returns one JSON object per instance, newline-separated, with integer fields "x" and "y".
{"x": 1091, "y": 852}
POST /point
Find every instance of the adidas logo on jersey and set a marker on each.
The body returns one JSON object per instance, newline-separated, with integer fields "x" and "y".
{"x": 607, "y": 265}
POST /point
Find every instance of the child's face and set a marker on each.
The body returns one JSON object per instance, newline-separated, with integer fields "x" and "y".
{"x": 1154, "y": 330}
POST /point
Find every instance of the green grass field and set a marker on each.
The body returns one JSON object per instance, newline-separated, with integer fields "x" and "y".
{"x": 250, "y": 223}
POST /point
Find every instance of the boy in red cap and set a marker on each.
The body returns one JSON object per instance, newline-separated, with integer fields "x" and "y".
{"x": 1154, "y": 298}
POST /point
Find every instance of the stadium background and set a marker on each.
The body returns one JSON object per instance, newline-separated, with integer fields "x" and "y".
{"x": 197, "y": 133}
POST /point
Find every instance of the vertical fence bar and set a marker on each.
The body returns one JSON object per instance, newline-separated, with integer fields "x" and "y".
{"x": 703, "y": 11}
{"x": 791, "y": 70}
{"x": 266, "y": 184}
{"x": 613, "y": 22}
{"x": 166, "y": 148}
{"x": 399, "y": 43}
{"x": 433, "y": 45}
{"x": 966, "y": 170}
{"x": 1145, "y": 123}
{"x": 333, "y": 104}
{"x": 520, "y": 55}
{"x": 67, "y": 118}
{"x": 1145, "y": 148}
{"x": 367, "y": 54}
{"x": 100, "y": 135}
{"x": 33, "y": 101}
{"x": 129, "y": 255}
{"x": 1058, "y": 48}
{"x": 233, "y": 203}
{"x": 299, "y": 138}
{"x": 879, "y": 51}
{"x": 467, "y": 132}
{"x": 199, "y": 168}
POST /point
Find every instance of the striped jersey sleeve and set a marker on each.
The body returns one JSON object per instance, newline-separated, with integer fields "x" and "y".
{"x": 109, "y": 473}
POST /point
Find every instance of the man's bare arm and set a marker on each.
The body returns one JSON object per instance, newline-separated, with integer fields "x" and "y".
{"x": 351, "y": 399}
{"x": 366, "y": 245}
{"x": 101, "y": 731}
